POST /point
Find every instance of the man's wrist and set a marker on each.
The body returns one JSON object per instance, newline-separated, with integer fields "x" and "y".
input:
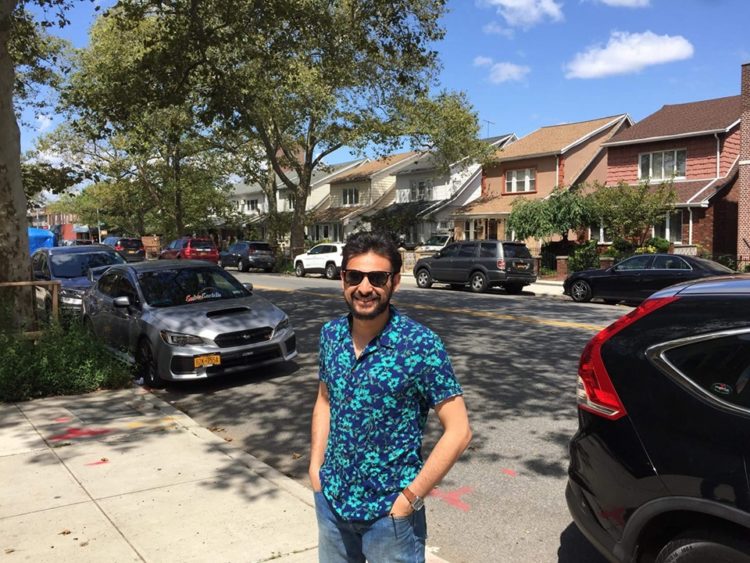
{"x": 416, "y": 502}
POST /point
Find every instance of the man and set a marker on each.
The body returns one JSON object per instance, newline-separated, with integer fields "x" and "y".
{"x": 380, "y": 372}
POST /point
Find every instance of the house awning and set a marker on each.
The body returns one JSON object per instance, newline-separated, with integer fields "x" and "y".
{"x": 484, "y": 208}
{"x": 333, "y": 214}
{"x": 700, "y": 192}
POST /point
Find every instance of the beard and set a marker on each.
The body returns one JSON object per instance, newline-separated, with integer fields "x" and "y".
{"x": 382, "y": 302}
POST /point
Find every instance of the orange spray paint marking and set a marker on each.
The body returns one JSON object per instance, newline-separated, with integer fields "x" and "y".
{"x": 73, "y": 433}
{"x": 453, "y": 497}
{"x": 509, "y": 472}
{"x": 62, "y": 419}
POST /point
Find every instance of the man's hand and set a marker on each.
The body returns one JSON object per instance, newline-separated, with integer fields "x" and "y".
{"x": 401, "y": 507}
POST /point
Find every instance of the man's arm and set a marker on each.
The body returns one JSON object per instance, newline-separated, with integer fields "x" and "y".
{"x": 455, "y": 439}
{"x": 321, "y": 419}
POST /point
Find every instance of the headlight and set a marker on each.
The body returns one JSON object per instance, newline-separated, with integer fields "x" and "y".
{"x": 180, "y": 339}
{"x": 283, "y": 325}
{"x": 71, "y": 297}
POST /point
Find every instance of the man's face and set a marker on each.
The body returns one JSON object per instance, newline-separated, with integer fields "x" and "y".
{"x": 365, "y": 300}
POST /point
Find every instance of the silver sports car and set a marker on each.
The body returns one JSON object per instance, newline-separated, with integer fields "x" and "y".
{"x": 179, "y": 320}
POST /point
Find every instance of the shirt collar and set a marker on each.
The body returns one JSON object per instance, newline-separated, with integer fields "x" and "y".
{"x": 387, "y": 337}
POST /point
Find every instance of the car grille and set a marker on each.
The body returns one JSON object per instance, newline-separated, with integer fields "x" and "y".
{"x": 244, "y": 337}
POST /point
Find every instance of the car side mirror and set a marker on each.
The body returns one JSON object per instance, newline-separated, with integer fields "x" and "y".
{"x": 122, "y": 301}
{"x": 248, "y": 286}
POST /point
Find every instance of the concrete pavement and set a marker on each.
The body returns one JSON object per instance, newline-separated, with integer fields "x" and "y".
{"x": 124, "y": 476}
{"x": 548, "y": 288}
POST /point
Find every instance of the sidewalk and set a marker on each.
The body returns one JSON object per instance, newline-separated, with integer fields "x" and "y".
{"x": 551, "y": 288}
{"x": 123, "y": 476}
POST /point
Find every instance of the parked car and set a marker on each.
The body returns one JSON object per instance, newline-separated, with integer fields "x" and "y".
{"x": 131, "y": 249}
{"x": 320, "y": 259}
{"x": 637, "y": 277}
{"x": 183, "y": 320}
{"x": 69, "y": 265}
{"x": 659, "y": 465}
{"x": 481, "y": 264}
{"x": 191, "y": 249}
{"x": 246, "y": 254}
{"x": 435, "y": 243}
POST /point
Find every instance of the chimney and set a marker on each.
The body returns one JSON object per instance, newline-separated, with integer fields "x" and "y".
{"x": 743, "y": 202}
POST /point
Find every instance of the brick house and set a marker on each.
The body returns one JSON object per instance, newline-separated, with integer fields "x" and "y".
{"x": 560, "y": 155}
{"x": 697, "y": 146}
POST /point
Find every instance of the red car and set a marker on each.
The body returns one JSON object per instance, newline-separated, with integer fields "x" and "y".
{"x": 191, "y": 249}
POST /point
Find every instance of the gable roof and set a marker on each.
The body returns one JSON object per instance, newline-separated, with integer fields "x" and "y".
{"x": 683, "y": 120}
{"x": 428, "y": 161}
{"x": 368, "y": 169}
{"x": 556, "y": 139}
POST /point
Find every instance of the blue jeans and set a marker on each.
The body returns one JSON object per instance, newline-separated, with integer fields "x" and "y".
{"x": 385, "y": 540}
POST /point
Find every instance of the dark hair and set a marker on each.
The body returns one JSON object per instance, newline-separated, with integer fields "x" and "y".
{"x": 369, "y": 241}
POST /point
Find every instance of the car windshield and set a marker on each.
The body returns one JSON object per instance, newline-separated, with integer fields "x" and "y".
{"x": 202, "y": 244}
{"x": 77, "y": 264}
{"x": 437, "y": 240}
{"x": 516, "y": 251}
{"x": 712, "y": 266}
{"x": 180, "y": 286}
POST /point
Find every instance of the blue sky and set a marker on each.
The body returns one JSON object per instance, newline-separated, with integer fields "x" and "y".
{"x": 525, "y": 64}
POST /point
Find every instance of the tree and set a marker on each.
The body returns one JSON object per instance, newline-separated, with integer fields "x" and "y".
{"x": 307, "y": 78}
{"x": 630, "y": 211}
{"x": 563, "y": 211}
{"x": 14, "y": 242}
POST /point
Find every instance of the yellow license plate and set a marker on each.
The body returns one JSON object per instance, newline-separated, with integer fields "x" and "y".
{"x": 207, "y": 361}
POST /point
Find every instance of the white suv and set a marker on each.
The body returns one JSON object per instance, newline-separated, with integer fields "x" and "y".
{"x": 321, "y": 259}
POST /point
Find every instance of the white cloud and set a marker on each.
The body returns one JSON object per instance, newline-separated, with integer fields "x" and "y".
{"x": 508, "y": 72}
{"x": 482, "y": 61}
{"x": 494, "y": 28}
{"x": 527, "y": 13}
{"x": 43, "y": 122}
{"x": 627, "y": 3}
{"x": 626, "y": 53}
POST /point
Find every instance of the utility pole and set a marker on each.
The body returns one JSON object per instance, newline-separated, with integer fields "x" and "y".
{"x": 98, "y": 226}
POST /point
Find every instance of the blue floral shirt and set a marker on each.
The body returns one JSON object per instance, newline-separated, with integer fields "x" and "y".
{"x": 379, "y": 405}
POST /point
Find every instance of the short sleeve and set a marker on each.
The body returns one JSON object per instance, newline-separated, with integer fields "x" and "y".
{"x": 437, "y": 380}
{"x": 322, "y": 355}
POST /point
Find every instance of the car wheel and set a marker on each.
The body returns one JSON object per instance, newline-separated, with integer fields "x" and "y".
{"x": 241, "y": 266}
{"x": 148, "y": 368}
{"x": 580, "y": 291}
{"x": 705, "y": 545}
{"x": 513, "y": 288}
{"x": 457, "y": 286}
{"x": 424, "y": 279}
{"x": 299, "y": 270}
{"x": 331, "y": 271}
{"x": 478, "y": 282}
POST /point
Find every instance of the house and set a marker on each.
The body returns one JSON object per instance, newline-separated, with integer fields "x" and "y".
{"x": 560, "y": 155}
{"x": 367, "y": 187}
{"x": 426, "y": 194}
{"x": 695, "y": 145}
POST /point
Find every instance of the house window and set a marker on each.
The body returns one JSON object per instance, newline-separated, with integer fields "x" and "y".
{"x": 600, "y": 234}
{"x": 290, "y": 201}
{"x": 671, "y": 227}
{"x": 523, "y": 180}
{"x": 351, "y": 196}
{"x": 421, "y": 190}
{"x": 662, "y": 165}
{"x": 254, "y": 204}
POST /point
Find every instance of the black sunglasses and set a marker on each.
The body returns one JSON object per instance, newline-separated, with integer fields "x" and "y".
{"x": 376, "y": 279}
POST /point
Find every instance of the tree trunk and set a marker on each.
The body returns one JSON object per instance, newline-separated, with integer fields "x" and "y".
{"x": 273, "y": 222}
{"x": 179, "y": 216}
{"x": 297, "y": 235}
{"x": 15, "y": 264}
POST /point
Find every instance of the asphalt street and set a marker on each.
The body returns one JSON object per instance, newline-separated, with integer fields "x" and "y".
{"x": 516, "y": 357}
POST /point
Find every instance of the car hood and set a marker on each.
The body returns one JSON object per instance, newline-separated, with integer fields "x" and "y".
{"x": 209, "y": 318}
{"x": 80, "y": 284}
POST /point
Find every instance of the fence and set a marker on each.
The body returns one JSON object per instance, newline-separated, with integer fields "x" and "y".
{"x": 54, "y": 311}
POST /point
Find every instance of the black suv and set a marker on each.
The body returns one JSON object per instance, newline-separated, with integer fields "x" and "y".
{"x": 130, "y": 248}
{"x": 481, "y": 264}
{"x": 659, "y": 465}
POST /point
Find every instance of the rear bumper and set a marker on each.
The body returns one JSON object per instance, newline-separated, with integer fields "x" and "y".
{"x": 499, "y": 278}
{"x": 587, "y": 523}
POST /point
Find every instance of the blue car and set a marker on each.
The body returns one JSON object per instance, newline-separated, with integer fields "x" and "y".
{"x": 75, "y": 267}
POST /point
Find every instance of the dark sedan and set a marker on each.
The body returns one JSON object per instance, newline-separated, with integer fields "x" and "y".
{"x": 637, "y": 277}
{"x": 247, "y": 254}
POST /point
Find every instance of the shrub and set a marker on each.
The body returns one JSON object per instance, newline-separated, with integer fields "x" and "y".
{"x": 63, "y": 361}
{"x": 727, "y": 260}
{"x": 620, "y": 249}
{"x": 661, "y": 245}
{"x": 584, "y": 257}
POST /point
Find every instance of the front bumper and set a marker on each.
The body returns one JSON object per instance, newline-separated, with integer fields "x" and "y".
{"x": 178, "y": 363}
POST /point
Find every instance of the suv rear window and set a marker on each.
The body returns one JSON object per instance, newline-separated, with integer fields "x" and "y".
{"x": 202, "y": 244}
{"x": 131, "y": 243}
{"x": 512, "y": 250}
{"x": 261, "y": 246}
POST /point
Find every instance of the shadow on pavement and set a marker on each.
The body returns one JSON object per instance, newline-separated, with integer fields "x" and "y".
{"x": 575, "y": 548}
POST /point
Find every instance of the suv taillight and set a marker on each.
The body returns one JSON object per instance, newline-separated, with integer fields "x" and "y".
{"x": 501, "y": 264}
{"x": 118, "y": 247}
{"x": 595, "y": 393}
{"x": 187, "y": 251}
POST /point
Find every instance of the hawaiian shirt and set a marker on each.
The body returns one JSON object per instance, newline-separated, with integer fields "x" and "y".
{"x": 379, "y": 404}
